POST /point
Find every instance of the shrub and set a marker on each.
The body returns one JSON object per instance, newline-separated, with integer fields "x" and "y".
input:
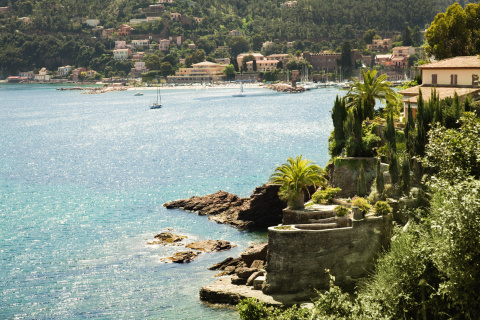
{"x": 341, "y": 211}
{"x": 325, "y": 195}
{"x": 362, "y": 204}
{"x": 382, "y": 208}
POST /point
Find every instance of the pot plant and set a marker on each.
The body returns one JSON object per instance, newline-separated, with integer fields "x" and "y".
{"x": 295, "y": 176}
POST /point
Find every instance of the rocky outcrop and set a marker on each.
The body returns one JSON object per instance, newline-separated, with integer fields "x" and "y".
{"x": 262, "y": 209}
{"x": 184, "y": 257}
{"x": 211, "y": 245}
{"x": 280, "y": 87}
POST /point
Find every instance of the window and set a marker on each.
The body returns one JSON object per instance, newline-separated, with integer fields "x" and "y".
{"x": 434, "y": 79}
{"x": 453, "y": 79}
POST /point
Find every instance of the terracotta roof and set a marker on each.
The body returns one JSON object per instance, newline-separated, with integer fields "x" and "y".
{"x": 454, "y": 63}
{"x": 442, "y": 92}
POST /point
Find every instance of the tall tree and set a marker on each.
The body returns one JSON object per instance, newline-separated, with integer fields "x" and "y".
{"x": 407, "y": 36}
{"x": 369, "y": 90}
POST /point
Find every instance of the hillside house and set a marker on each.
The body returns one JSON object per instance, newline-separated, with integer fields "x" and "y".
{"x": 139, "y": 43}
{"x": 121, "y": 54}
{"x": 197, "y": 19}
{"x": 263, "y": 65}
{"x": 192, "y": 46}
{"x": 108, "y": 32}
{"x": 163, "y": 44}
{"x": 382, "y": 45}
{"x": 175, "y": 16}
{"x": 92, "y": 22}
{"x": 124, "y": 30}
{"x": 459, "y": 74}
{"x": 76, "y": 73}
{"x": 120, "y": 44}
{"x": 199, "y": 73}
{"x": 43, "y": 75}
{"x": 24, "y": 19}
{"x": 267, "y": 44}
{"x": 138, "y": 69}
{"x": 155, "y": 8}
{"x": 64, "y": 71}
{"x": 27, "y": 75}
{"x": 257, "y": 56}
{"x": 289, "y": 4}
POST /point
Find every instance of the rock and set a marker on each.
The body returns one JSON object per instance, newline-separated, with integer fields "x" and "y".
{"x": 255, "y": 252}
{"x": 238, "y": 281}
{"x": 257, "y": 264}
{"x": 221, "y": 265}
{"x": 211, "y": 245}
{"x": 227, "y": 271}
{"x": 245, "y": 273}
{"x": 262, "y": 209}
{"x": 253, "y": 277}
{"x": 258, "y": 282}
{"x": 185, "y": 256}
{"x": 167, "y": 238}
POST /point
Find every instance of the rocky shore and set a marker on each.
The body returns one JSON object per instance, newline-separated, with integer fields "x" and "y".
{"x": 262, "y": 209}
{"x": 280, "y": 87}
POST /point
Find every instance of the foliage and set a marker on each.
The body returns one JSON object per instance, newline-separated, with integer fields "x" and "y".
{"x": 339, "y": 115}
{"x": 362, "y": 204}
{"x": 361, "y": 182}
{"x": 229, "y": 71}
{"x": 368, "y": 91}
{"x": 393, "y": 168}
{"x": 341, "y": 211}
{"x": 382, "y": 208}
{"x": 325, "y": 195}
{"x": 390, "y": 134}
{"x": 455, "y": 153}
{"x": 405, "y": 177}
{"x": 379, "y": 181}
{"x": 295, "y": 176}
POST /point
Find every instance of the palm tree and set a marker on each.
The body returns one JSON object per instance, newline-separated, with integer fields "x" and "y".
{"x": 369, "y": 90}
{"x": 295, "y": 176}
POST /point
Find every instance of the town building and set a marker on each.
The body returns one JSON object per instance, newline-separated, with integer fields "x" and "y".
{"x": 267, "y": 44}
{"x": 199, "y": 73}
{"x": 138, "y": 69}
{"x": 27, "y": 75}
{"x": 139, "y": 43}
{"x": 192, "y": 46}
{"x": 163, "y": 44}
{"x": 108, "y": 32}
{"x": 137, "y": 56}
{"x": 43, "y": 75}
{"x": 381, "y": 45}
{"x": 175, "y": 16}
{"x": 120, "y": 44}
{"x": 263, "y": 65}
{"x": 327, "y": 61}
{"x": 124, "y": 30}
{"x": 257, "y": 56}
{"x": 24, "y": 19}
{"x": 76, "y": 73}
{"x": 121, "y": 54}
{"x": 197, "y": 19}
{"x": 64, "y": 71}
{"x": 289, "y": 4}
{"x": 446, "y": 77}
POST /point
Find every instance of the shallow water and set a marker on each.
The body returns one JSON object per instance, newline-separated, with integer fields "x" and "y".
{"x": 83, "y": 179}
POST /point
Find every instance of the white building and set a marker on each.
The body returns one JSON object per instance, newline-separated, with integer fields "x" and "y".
{"x": 121, "y": 54}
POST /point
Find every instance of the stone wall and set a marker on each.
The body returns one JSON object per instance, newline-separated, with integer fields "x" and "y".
{"x": 345, "y": 174}
{"x": 297, "y": 258}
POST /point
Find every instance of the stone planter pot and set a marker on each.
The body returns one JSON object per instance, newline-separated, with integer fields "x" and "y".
{"x": 297, "y": 203}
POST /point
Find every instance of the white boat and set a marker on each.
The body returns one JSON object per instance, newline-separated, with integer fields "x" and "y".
{"x": 138, "y": 94}
{"x": 241, "y": 94}
{"x": 157, "y": 104}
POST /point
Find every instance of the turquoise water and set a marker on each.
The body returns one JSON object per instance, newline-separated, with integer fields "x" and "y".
{"x": 83, "y": 179}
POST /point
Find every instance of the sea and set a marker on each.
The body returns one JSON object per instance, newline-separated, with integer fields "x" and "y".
{"x": 83, "y": 180}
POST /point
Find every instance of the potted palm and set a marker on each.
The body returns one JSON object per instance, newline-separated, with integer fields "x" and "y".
{"x": 295, "y": 176}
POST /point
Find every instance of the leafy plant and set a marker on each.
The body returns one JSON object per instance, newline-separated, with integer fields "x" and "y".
{"x": 325, "y": 195}
{"x": 382, "y": 208}
{"x": 295, "y": 176}
{"x": 341, "y": 211}
{"x": 362, "y": 204}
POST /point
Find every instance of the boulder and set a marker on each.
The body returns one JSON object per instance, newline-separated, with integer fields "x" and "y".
{"x": 185, "y": 256}
{"x": 262, "y": 209}
{"x": 244, "y": 272}
{"x": 227, "y": 271}
{"x": 238, "y": 281}
{"x": 255, "y": 252}
{"x": 211, "y": 245}
{"x": 257, "y": 264}
{"x": 253, "y": 277}
{"x": 221, "y": 265}
{"x": 167, "y": 238}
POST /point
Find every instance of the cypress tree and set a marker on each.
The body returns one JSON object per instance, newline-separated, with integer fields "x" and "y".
{"x": 393, "y": 168}
{"x": 361, "y": 183}
{"x": 390, "y": 134}
{"x": 406, "y": 177}
{"x": 339, "y": 115}
{"x": 379, "y": 180}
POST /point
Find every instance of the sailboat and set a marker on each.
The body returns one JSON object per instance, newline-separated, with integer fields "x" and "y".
{"x": 241, "y": 94}
{"x": 158, "y": 103}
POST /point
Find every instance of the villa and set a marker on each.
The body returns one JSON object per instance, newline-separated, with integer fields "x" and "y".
{"x": 200, "y": 72}
{"x": 459, "y": 74}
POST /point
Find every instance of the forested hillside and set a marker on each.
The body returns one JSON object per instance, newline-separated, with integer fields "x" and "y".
{"x": 57, "y": 32}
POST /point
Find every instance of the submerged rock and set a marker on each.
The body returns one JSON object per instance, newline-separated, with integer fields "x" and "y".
{"x": 167, "y": 238}
{"x": 262, "y": 209}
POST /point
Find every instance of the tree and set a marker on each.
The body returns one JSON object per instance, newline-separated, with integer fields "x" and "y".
{"x": 196, "y": 57}
{"x": 390, "y": 134}
{"x": 380, "y": 183}
{"x": 246, "y": 59}
{"x": 229, "y": 71}
{"x": 152, "y": 62}
{"x": 295, "y": 177}
{"x": 238, "y": 45}
{"x": 448, "y": 35}
{"x": 369, "y": 90}
{"x": 368, "y": 35}
{"x": 339, "y": 115}
{"x": 393, "y": 168}
{"x": 407, "y": 36}
{"x": 345, "y": 62}
{"x": 166, "y": 69}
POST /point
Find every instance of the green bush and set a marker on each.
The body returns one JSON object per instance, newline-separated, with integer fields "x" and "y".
{"x": 362, "y": 204}
{"x": 382, "y": 208}
{"x": 341, "y": 211}
{"x": 325, "y": 195}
